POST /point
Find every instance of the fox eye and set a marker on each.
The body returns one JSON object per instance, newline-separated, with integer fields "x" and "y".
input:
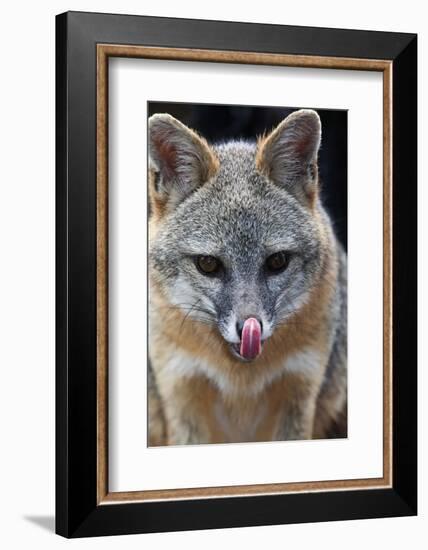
{"x": 277, "y": 262}
{"x": 208, "y": 265}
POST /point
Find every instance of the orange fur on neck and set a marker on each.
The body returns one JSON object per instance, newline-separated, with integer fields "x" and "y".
{"x": 306, "y": 329}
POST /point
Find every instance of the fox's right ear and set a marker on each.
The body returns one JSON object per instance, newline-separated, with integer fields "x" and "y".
{"x": 179, "y": 161}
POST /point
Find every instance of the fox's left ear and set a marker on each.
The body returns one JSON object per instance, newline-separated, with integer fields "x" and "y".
{"x": 179, "y": 161}
{"x": 288, "y": 155}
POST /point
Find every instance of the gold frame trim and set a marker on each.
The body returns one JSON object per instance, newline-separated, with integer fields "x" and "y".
{"x": 104, "y": 51}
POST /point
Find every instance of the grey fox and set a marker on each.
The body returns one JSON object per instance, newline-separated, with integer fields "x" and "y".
{"x": 247, "y": 289}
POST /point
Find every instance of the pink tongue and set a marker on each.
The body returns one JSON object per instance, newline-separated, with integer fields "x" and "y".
{"x": 251, "y": 339}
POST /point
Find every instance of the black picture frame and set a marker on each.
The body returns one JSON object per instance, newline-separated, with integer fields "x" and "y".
{"x": 77, "y": 512}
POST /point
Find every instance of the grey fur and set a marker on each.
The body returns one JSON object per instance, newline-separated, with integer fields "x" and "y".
{"x": 179, "y": 157}
{"x": 332, "y": 400}
{"x": 241, "y": 218}
{"x": 241, "y": 215}
{"x": 290, "y": 153}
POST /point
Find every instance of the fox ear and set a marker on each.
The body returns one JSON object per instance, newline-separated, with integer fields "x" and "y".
{"x": 179, "y": 160}
{"x": 288, "y": 155}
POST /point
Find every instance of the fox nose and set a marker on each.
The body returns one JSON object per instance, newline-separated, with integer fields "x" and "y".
{"x": 240, "y": 325}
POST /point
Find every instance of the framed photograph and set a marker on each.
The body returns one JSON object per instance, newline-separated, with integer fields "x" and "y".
{"x": 236, "y": 274}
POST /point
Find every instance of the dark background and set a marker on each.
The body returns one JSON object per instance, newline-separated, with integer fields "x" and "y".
{"x": 219, "y": 123}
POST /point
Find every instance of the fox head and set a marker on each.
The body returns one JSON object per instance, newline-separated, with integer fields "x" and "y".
{"x": 238, "y": 234}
